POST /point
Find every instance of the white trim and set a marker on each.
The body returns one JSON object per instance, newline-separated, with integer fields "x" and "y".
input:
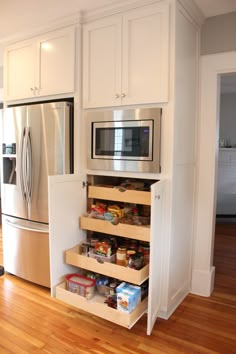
{"x": 66, "y": 21}
{"x": 166, "y": 313}
{"x": 203, "y": 282}
{"x": 212, "y": 66}
{"x": 115, "y": 8}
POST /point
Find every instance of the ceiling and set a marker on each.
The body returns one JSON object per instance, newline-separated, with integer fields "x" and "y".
{"x": 212, "y": 8}
{"x": 20, "y": 16}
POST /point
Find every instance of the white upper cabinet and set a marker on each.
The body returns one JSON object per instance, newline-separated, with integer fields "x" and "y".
{"x": 19, "y": 70}
{"x": 102, "y": 62}
{"x": 41, "y": 66}
{"x": 126, "y": 58}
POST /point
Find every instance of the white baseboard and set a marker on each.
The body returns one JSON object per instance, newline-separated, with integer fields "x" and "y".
{"x": 165, "y": 313}
{"x": 203, "y": 282}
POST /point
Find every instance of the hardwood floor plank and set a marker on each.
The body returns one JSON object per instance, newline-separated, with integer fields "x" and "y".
{"x": 31, "y": 322}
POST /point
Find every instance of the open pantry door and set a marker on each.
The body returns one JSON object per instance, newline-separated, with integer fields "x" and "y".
{"x": 67, "y": 201}
{"x": 155, "y": 266}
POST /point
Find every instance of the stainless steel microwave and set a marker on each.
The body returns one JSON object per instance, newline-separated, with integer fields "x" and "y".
{"x": 124, "y": 140}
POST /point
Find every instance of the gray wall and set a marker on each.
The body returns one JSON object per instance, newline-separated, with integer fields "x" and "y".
{"x": 218, "y": 34}
{"x": 228, "y": 118}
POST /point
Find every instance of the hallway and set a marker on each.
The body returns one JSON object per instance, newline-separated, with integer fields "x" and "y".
{"x": 225, "y": 262}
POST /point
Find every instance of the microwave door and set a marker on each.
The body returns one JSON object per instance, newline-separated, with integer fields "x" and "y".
{"x": 123, "y": 140}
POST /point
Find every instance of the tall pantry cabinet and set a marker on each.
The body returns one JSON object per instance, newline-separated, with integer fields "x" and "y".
{"x": 172, "y": 195}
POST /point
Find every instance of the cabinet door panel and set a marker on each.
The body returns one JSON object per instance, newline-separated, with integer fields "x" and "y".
{"x": 155, "y": 265}
{"x": 102, "y": 63}
{"x": 55, "y": 62}
{"x": 145, "y": 54}
{"x": 19, "y": 75}
{"x": 67, "y": 200}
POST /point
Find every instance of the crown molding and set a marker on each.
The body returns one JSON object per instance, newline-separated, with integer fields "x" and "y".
{"x": 81, "y": 17}
{"x": 193, "y": 10}
{"x": 114, "y": 8}
{"x": 65, "y": 21}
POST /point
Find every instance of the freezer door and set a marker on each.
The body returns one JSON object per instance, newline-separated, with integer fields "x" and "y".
{"x": 12, "y": 179}
{"x": 48, "y": 152}
{"x": 26, "y": 250}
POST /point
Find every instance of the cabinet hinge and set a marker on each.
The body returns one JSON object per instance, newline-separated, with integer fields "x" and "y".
{"x": 85, "y": 184}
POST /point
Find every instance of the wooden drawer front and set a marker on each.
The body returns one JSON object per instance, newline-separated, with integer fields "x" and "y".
{"x": 114, "y": 194}
{"x": 141, "y": 233}
{"x": 97, "y": 307}
{"x": 110, "y": 269}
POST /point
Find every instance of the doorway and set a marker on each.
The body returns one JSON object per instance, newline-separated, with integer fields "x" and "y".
{"x": 224, "y": 258}
{"x": 212, "y": 68}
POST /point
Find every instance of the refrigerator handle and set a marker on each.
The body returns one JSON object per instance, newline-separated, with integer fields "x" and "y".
{"x": 29, "y": 165}
{"x": 22, "y": 164}
{"x": 44, "y": 229}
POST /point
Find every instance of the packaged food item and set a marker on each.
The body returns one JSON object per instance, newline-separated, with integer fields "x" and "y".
{"x": 128, "y": 297}
{"x": 103, "y": 249}
{"x": 81, "y": 285}
{"x": 115, "y": 210}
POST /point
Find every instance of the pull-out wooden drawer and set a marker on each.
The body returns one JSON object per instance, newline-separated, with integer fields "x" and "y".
{"x": 135, "y": 232}
{"x": 109, "y": 269}
{"x": 120, "y": 195}
{"x": 97, "y": 307}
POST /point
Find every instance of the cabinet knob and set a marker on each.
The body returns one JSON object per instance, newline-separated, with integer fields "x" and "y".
{"x": 32, "y": 89}
{"x": 123, "y": 95}
{"x": 117, "y": 95}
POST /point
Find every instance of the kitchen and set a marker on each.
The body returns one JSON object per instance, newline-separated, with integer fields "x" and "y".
{"x": 167, "y": 146}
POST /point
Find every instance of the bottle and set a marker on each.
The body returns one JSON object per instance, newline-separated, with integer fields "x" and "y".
{"x": 121, "y": 256}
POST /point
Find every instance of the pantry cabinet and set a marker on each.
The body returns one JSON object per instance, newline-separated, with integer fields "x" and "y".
{"x": 76, "y": 260}
{"x": 125, "y": 58}
{"x": 41, "y": 66}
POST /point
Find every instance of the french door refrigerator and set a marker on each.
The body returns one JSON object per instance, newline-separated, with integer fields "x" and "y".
{"x": 36, "y": 142}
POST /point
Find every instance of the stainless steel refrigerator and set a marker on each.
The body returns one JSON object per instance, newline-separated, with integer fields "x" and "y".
{"x": 36, "y": 143}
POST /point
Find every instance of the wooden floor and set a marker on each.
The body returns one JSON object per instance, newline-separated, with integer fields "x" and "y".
{"x": 32, "y": 322}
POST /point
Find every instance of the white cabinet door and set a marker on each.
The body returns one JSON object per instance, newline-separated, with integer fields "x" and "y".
{"x": 126, "y": 58}
{"x": 102, "y": 63}
{"x": 145, "y": 54}
{"x": 155, "y": 265}
{"x": 19, "y": 70}
{"x": 67, "y": 200}
{"x": 55, "y": 62}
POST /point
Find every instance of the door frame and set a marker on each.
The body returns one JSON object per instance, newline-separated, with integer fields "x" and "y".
{"x": 212, "y": 67}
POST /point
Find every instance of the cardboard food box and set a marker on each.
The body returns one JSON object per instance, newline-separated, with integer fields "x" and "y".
{"x": 128, "y": 297}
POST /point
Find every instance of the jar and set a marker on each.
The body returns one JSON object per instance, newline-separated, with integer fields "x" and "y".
{"x": 129, "y": 253}
{"x": 121, "y": 256}
{"x": 136, "y": 261}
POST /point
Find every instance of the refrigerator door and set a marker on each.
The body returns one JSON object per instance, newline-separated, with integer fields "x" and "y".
{"x": 26, "y": 250}
{"x": 13, "y": 162}
{"x": 48, "y": 153}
